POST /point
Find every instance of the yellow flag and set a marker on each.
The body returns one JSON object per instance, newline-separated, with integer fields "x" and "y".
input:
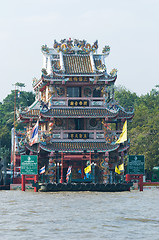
{"x": 123, "y": 135}
{"x": 121, "y": 167}
{"x": 117, "y": 170}
{"x": 87, "y": 169}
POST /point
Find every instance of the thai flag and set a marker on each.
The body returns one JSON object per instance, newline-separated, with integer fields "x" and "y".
{"x": 42, "y": 170}
{"x": 68, "y": 173}
{"x": 34, "y": 134}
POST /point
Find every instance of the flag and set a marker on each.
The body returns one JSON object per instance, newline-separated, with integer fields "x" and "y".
{"x": 123, "y": 135}
{"x": 18, "y": 94}
{"x": 121, "y": 167}
{"x": 87, "y": 169}
{"x": 42, "y": 170}
{"x": 34, "y": 134}
{"x": 68, "y": 173}
{"x": 117, "y": 170}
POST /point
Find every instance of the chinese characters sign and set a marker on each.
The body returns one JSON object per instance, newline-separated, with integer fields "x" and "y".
{"x": 78, "y": 103}
{"x": 78, "y": 79}
{"x": 78, "y": 135}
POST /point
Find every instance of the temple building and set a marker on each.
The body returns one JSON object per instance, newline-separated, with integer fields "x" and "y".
{"x": 77, "y": 118}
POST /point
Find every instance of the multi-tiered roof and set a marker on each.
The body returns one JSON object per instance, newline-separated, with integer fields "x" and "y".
{"x": 75, "y": 63}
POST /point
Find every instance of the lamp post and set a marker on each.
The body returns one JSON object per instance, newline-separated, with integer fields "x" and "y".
{"x": 13, "y": 157}
{"x": 93, "y": 171}
{"x": 57, "y": 164}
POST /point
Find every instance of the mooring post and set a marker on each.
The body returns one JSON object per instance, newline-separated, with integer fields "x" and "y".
{"x": 23, "y": 182}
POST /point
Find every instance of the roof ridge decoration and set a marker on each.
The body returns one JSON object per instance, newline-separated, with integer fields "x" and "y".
{"x": 75, "y": 46}
{"x": 69, "y": 46}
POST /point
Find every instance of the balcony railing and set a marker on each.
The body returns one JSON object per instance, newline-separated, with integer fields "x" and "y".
{"x": 112, "y": 136}
{"x": 71, "y": 134}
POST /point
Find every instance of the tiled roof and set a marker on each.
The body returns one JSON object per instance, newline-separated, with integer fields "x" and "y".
{"x": 31, "y": 114}
{"x": 78, "y": 146}
{"x": 77, "y": 64}
{"x": 76, "y": 112}
{"x": 124, "y": 146}
{"x": 32, "y": 111}
{"x": 124, "y": 114}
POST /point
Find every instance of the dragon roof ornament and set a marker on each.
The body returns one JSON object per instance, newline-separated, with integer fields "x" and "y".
{"x": 69, "y": 46}
{"x": 72, "y": 46}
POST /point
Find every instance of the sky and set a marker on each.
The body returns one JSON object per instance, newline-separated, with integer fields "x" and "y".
{"x": 129, "y": 27}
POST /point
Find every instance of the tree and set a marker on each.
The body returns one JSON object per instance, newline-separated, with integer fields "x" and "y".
{"x": 143, "y": 131}
{"x": 7, "y": 113}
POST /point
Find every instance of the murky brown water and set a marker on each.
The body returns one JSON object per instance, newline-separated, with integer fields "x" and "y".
{"x": 79, "y": 215}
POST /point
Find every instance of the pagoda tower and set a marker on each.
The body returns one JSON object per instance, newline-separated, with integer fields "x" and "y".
{"x": 79, "y": 121}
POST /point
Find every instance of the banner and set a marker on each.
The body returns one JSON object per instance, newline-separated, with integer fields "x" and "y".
{"x": 87, "y": 169}
{"x": 123, "y": 135}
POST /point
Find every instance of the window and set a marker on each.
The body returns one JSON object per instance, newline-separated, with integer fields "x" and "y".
{"x": 76, "y": 124}
{"x": 74, "y": 91}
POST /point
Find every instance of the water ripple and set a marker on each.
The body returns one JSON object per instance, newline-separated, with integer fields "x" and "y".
{"x": 79, "y": 215}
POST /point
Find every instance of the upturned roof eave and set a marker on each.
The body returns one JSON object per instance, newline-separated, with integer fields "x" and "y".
{"x": 49, "y": 114}
{"x": 49, "y": 148}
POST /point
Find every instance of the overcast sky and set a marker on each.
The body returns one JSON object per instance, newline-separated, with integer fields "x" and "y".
{"x": 129, "y": 27}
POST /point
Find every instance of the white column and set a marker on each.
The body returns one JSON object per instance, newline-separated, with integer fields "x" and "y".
{"x": 62, "y": 62}
{"x": 92, "y": 61}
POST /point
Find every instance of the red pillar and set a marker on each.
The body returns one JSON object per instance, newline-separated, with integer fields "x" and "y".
{"x": 23, "y": 182}
{"x": 128, "y": 178}
{"x": 35, "y": 181}
{"x": 141, "y": 182}
{"x": 90, "y": 158}
{"x": 61, "y": 167}
{"x": 82, "y": 170}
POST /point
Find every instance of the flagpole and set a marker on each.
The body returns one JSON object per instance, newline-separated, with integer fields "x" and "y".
{"x": 61, "y": 167}
{"x": 14, "y": 133}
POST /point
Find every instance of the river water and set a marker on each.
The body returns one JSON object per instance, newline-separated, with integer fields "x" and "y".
{"x": 79, "y": 215}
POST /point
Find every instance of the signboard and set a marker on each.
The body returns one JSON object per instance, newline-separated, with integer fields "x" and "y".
{"x": 78, "y": 79}
{"x": 136, "y": 164}
{"x": 78, "y": 135}
{"x": 78, "y": 103}
{"x": 29, "y": 164}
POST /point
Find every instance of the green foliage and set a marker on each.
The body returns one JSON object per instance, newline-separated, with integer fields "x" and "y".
{"x": 125, "y": 98}
{"x": 7, "y": 113}
{"x": 21, "y": 85}
{"x": 143, "y": 131}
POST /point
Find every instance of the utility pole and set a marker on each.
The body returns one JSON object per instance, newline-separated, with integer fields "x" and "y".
{"x": 13, "y": 155}
{"x": 13, "y": 164}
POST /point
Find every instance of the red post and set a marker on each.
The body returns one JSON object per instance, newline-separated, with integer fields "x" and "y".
{"x": 23, "y": 182}
{"x": 61, "y": 167}
{"x": 82, "y": 170}
{"x": 90, "y": 157}
{"x": 141, "y": 182}
{"x": 128, "y": 178}
{"x": 35, "y": 181}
